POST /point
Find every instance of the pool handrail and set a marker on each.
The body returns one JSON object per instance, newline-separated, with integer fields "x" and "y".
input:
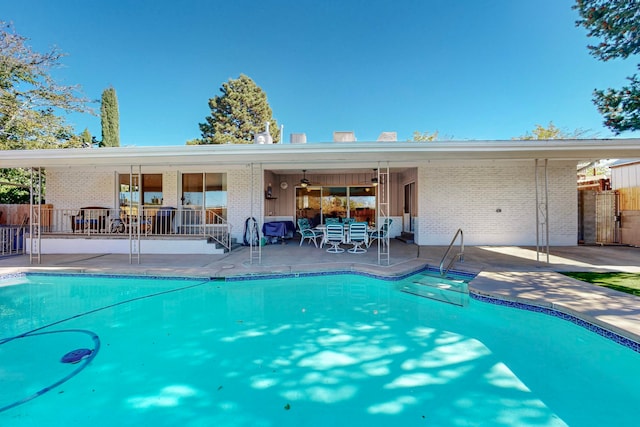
{"x": 460, "y": 255}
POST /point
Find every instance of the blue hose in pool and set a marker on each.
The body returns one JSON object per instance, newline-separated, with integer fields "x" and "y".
{"x": 79, "y": 355}
{"x": 86, "y": 358}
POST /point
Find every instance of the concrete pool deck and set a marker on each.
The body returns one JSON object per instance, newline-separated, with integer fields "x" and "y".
{"x": 509, "y": 273}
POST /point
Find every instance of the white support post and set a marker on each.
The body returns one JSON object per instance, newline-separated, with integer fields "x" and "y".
{"x": 542, "y": 208}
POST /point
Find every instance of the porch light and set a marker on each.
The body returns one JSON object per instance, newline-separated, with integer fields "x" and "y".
{"x": 304, "y": 182}
{"x": 374, "y": 180}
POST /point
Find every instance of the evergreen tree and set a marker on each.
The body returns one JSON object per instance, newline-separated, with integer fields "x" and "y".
{"x": 238, "y": 114}
{"x": 617, "y": 24}
{"x": 86, "y": 140}
{"x": 110, "y": 119}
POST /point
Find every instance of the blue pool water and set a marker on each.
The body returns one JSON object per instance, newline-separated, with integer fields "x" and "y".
{"x": 311, "y": 351}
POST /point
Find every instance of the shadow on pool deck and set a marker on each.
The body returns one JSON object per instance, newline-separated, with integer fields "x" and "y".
{"x": 512, "y": 273}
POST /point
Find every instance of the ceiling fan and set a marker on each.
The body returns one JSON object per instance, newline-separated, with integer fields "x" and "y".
{"x": 304, "y": 182}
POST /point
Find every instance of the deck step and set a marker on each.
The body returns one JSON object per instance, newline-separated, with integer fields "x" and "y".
{"x": 234, "y": 244}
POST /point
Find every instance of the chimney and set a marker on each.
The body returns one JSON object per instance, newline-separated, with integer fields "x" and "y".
{"x": 298, "y": 138}
{"x": 348, "y": 136}
{"x": 388, "y": 136}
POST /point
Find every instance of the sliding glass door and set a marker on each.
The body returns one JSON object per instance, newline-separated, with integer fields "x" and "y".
{"x": 204, "y": 201}
{"x": 208, "y": 191}
{"x": 309, "y": 204}
{"x": 319, "y": 203}
{"x": 334, "y": 202}
{"x": 362, "y": 204}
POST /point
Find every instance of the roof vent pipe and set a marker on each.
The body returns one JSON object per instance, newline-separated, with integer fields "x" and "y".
{"x": 263, "y": 137}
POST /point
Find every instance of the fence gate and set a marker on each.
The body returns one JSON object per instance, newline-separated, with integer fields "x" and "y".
{"x": 606, "y": 214}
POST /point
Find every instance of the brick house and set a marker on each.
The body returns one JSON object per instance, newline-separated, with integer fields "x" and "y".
{"x": 498, "y": 192}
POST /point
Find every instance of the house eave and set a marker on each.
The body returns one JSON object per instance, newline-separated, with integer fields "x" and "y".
{"x": 295, "y": 155}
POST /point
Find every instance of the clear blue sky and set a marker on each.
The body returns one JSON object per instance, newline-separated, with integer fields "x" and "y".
{"x": 469, "y": 69}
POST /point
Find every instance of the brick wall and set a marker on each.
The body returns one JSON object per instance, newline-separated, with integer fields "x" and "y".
{"x": 494, "y": 203}
{"x": 239, "y": 200}
{"x": 170, "y": 192}
{"x": 452, "y": 195}
{"x": 71, "y": 189}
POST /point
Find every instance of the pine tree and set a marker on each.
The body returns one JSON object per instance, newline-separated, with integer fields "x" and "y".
{"x": 238, "y": 114}
{"x": 110, "y": 119}
{"x": 85, "y": 138}
{"x": 617, "y": 24}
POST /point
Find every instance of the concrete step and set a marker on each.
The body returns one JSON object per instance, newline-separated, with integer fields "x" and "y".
{"x": 405, "y": 237}
{"x": 234, "y": 244}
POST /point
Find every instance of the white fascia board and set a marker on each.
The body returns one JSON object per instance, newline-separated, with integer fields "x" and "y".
{"x": 332, "y": 153}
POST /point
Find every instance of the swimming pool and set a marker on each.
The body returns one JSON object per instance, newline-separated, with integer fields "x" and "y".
{"x": 307, "y": 351}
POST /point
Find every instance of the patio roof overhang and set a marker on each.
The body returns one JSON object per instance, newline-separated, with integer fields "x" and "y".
{"x": 298, "y": 156}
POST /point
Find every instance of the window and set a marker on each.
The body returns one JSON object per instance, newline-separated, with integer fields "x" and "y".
{"x": 208, "y": 190}
{"x": 129, "y": 189}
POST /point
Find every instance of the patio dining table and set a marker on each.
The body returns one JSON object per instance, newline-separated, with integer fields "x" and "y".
{"x": 322, "y": 228}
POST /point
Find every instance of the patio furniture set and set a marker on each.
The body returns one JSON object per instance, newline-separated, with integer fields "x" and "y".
{"x": 335, "y": 233}
{"x": 100, "y": 220}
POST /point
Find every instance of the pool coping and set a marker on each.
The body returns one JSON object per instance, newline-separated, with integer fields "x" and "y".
{"x": 605, "y": 329}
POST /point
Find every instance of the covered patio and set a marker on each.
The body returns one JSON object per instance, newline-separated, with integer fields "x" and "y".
{"x": 185, "y": 200}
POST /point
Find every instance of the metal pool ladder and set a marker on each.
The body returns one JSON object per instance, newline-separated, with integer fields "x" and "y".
{"x": 460, "y": 255}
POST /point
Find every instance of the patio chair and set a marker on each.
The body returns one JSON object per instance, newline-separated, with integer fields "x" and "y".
{"x": 163, "y": 223}
{"x": 306, "y": 232}
{"x": 348, "y": 221}
{"x": 332, "y": 221}
{"x": 91, "y": 218}
{"x": 334, "y": 235}
{"x": 381, "y": 233}
{"x": 358, "y": 237}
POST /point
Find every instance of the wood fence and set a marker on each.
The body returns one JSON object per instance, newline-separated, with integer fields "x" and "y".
{"x": 629, "y": 198}
{"x": 606, "y": 217}
{"x": 630, "y": 215}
